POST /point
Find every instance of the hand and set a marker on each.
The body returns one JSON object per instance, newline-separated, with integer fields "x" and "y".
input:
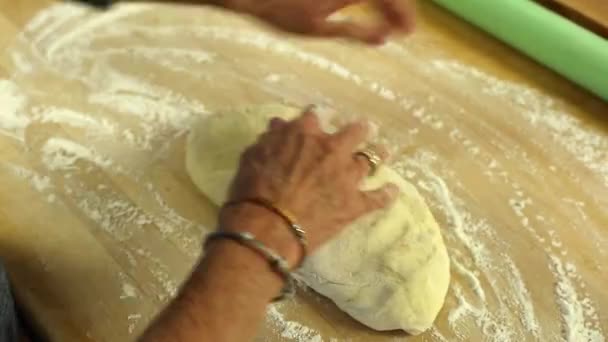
{"x": 304, "y": 170}
{"x": 310, "y": 17}
{"x": 312, "y": 174}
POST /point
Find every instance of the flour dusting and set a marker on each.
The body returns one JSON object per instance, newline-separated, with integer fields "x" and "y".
{"x": 73, "y": 118}
{"x": 574, "y": 310}
{"x": 61, "y": 154}
{"x": 584, "y": 143}
{"x": 136, "y": 80}
{"x": 291, "y": 330}
{"x": 13, "y": 103}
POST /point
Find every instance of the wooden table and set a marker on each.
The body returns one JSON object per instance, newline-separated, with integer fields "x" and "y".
{"x": 592, "y": 14}
{"x": 99, "y": 223}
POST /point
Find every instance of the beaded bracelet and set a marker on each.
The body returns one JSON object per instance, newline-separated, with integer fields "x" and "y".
{"x": 276, "y": 262}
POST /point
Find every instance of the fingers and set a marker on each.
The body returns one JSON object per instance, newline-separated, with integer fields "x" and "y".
{"x": 399, "y": 13}
{"x": 351, "y": 136}
{"x": 365, "y": 164}
{"x": 371, "y": 35}
{"x": 380, "y": 198}
{"x": 276, "y": 123}
{"x": 309, "y": 121}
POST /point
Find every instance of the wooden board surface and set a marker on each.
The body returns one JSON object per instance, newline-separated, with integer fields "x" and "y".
{"x": 99, "y": 222}
{"x": 592, "y": 14}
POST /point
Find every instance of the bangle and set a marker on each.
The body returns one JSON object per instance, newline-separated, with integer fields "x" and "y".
{"x": 277, "y": 263}
{"x": 289, "y": 219}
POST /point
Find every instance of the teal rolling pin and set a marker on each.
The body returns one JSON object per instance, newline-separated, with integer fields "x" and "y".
{"x": 552, "y": 40}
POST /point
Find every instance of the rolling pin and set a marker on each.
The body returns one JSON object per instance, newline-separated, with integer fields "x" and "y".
{"x": 570, "y": 50}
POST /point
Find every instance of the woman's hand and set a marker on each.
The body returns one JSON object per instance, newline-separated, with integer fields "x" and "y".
{"x": 310, "y": 17}
{"x": 312, "y": 174}
{"x": 302, "y": 169}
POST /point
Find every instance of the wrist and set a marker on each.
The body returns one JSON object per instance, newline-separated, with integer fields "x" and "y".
{"x": 266, "y": 226}
{"x": 246, "y": 263}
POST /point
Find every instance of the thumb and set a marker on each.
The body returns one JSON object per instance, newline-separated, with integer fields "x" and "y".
{"x": 372, "y": 35}
{"x": 380, "y": 198}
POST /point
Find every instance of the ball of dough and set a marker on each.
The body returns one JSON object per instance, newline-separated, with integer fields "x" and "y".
{"x": 389, "y": 270}
{"x": 216, "y": 141}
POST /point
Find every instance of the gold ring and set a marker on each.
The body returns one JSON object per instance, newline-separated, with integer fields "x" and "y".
{"x": 372, "y": 157}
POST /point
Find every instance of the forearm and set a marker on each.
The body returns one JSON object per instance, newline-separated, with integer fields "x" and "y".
{"x": 226, "y": 296}
{"x": 224, "y": 300}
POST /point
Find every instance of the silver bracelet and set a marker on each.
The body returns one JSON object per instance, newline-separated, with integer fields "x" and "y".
{"x": 297, "y": 230}
{"x": 276, "y": 262}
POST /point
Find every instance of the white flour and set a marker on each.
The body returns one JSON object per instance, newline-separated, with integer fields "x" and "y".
{"x": 124, "y": 116}
{"x": 584, "y": 143}
{"x": 574, "y": 309}
{"x": 76, "y": 119}
{"x": 128, "y": 291}
{"x": 61, "y": 154}
{"x": 133, "y": 319}
{"x": 291, "y": 330}
{"x": 13, "y": 103}
{"x": 39, "y": 182}
{"x": 493, "y": 267}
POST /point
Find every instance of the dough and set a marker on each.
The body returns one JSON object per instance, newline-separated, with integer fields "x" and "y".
{"x": 389, "y": 270}
{"x": 215, "y": 144}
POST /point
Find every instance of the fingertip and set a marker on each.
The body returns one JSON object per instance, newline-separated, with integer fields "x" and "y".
{"x": 376, "y": 36}
{"x": 373, "y": 36}
{"x": 377, "y": 41}
{"x": 276, "y": 123}
{"x": 309, "y": 120}
{"x": 382, "y": 197}
{"x": 310, "y": 109}
{"x": 392, "y": 191}
{"x": 379, "y": 34}
{"x": 352, "y": 30}
{"x": 388, "y": 194}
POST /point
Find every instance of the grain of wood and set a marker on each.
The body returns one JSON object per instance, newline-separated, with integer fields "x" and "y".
{"x": 592, "y": 14}
{"x": 493, "y": 140}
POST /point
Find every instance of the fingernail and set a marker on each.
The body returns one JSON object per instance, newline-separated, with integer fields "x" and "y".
{"x": 379, "y": 39}
{"x": 392, "y": 191}
{"x": 311, "y": 108}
